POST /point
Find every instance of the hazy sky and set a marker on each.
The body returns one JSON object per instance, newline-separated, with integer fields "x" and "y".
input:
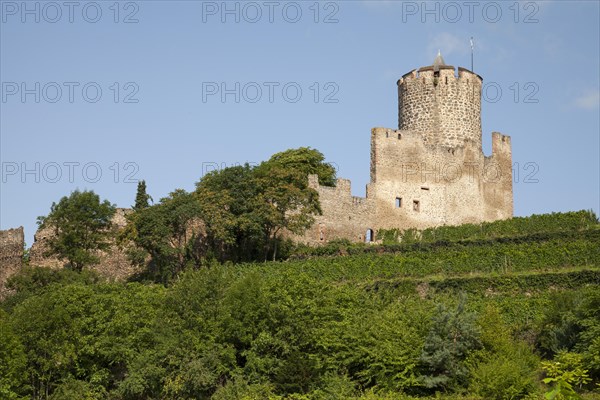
{"x": 96, "y": 95}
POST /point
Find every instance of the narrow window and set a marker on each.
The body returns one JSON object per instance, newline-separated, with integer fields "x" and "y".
{"x": 387, "y": 134}
{"x": 369, "y": 236}
{"x": 399, "y": 136}
{"x": 398, "y": 202}
{"x": 416, "y": 205}
{"x": 424, "y": 188}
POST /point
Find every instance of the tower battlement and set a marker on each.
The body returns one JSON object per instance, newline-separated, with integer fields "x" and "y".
{"x": 428, "y": 75}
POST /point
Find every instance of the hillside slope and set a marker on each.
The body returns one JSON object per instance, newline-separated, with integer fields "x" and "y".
{"x": 472, "y": 312}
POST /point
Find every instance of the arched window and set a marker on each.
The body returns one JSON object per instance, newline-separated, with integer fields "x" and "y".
{"x": 369, "y": 236}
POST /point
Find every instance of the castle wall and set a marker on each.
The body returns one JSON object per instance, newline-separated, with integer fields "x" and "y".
{"x": 498, "y": 192}
{"x": 417, "y": 185}
{"x": 12, "y": 242}
{"x": 344, "y": 216}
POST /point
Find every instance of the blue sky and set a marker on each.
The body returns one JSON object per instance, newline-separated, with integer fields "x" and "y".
{"x": 96, "y": 95}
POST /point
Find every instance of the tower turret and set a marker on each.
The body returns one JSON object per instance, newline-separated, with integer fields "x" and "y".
{"x": 443, "y": 107}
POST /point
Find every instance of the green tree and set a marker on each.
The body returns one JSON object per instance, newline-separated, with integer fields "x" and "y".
{"x": 285, "y": 202}
{"x": 126, "y": 238}
{"x": 453, "y": 335}
{"x": 12, "y": 361}
{"x": 305, "y": 161}
{"x": 141, "y": 197}
{"x": 504, "y": 368}
{"x": 75, "y": 389}
{"x": 81, "y": 224}
{"x": 572, "y": 323}
{"x": 227, "y": 198}
{"x": 80, "y": 339}
{"x": 170, "y": 234}
{"x": 247, "y": 208}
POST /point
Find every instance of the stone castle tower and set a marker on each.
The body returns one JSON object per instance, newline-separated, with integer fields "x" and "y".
{"x": 431, "y": 171}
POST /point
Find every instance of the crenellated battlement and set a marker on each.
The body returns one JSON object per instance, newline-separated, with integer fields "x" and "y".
{"x": 445, "y": 74}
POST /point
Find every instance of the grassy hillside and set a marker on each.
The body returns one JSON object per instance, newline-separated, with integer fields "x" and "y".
{"x": 472, "y": 312}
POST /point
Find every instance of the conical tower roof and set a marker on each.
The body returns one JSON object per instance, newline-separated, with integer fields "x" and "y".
{"x": 438, "y": 62}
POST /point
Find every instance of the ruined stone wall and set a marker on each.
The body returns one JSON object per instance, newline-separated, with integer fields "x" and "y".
{"x": 344, "y": 216}
{"x": 113, "y": 262}
{"x": 445, "y": 109}
{"x": 12, "y": 242}
{"x": 498, "y": 191}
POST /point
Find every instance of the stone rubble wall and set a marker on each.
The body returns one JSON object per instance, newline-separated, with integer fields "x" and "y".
{"x": 12, "y": 242}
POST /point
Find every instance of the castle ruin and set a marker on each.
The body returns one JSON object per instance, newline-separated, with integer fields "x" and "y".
{"x": 12, "y": 243}
{"x": 431, "y": 171}
{"x": 113, "y": 262}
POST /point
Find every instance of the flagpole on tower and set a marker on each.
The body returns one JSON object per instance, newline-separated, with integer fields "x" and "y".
{"x": 472, "y": 54}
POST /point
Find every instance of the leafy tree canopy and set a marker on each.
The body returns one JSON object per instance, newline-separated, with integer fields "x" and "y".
{"x": 81, "y": 223}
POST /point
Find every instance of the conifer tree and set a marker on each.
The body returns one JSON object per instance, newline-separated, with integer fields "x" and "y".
{"x": 141, "y": 197}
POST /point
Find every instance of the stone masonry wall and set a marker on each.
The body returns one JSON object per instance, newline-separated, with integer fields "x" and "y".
{"x": 498, "y": 192}
{"x": 444, "y": 109}
{"x": 12, "y": 242}
{"x": 344, "y": 215}
{"x": 416, "y": 185}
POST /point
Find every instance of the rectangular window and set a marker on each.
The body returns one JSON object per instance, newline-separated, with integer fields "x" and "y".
{"x": 424, "y": 188}
{"x": 416, "y": 205}
{"x": 398, "y": 202}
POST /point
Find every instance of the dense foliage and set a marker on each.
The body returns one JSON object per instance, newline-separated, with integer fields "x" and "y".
{"x": 496, "y": 317}
{"x": 235, "y": 214}
{"x": 81, "y": 224}
{"x": 517, "y": 226}
{"x": 502, "y": 310}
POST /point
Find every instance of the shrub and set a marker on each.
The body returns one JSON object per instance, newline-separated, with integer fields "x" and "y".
{"x": 452, "y": 337}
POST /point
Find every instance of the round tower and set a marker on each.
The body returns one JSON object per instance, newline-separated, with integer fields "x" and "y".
{"x": 444, "y": 108}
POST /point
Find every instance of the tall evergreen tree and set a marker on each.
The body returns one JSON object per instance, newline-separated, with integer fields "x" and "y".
{"x": 452, "y": 336}
{"x": 141, "y": 197}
